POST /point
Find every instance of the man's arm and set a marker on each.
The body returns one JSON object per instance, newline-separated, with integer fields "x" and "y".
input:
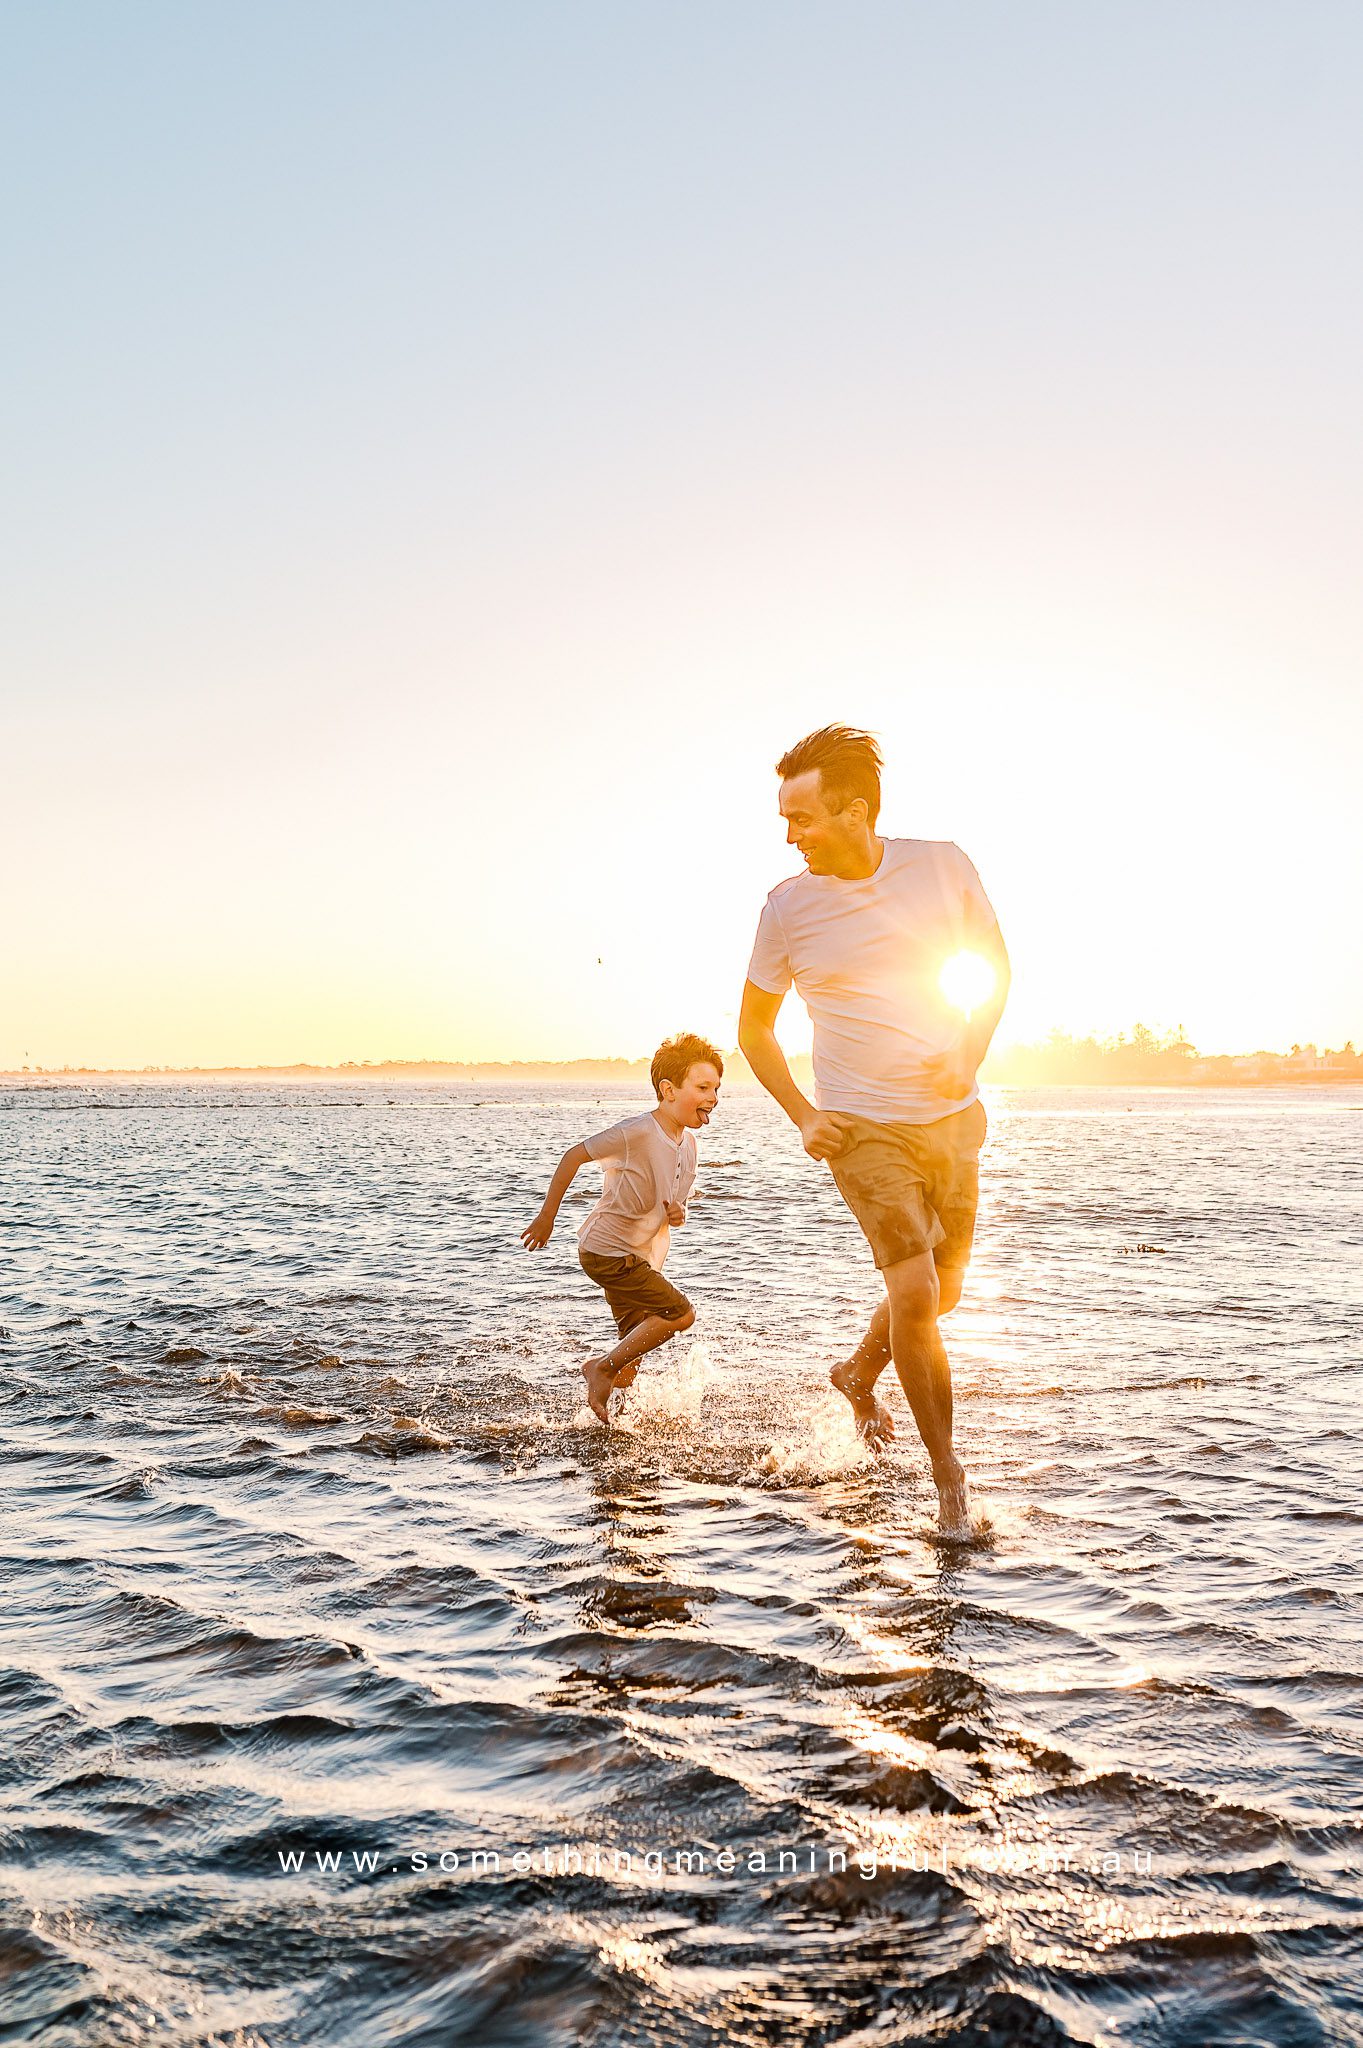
{"x": 954, "y": 1072}
{"x": 820, "y": 1132}
{"x": 537, "y": 1234}
{"x": 984, "y": 1022}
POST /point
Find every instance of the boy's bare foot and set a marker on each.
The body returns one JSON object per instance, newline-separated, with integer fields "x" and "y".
{"x": 604, "y": 1379}
{"x": 599, "y": 1374}
{"x": 953, "y": 1503}
{"x": 875, "y": 1424}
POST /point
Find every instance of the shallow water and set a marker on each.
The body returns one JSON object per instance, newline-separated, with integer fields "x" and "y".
{"x": 313, "y": 1551}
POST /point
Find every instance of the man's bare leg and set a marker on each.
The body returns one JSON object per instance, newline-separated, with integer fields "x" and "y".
{"x": 924, "y": 1373}
{"x": 618, "y": 1368}
{"x": 855, "y": 1377}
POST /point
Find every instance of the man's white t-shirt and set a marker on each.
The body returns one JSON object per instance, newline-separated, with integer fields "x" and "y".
{"x": 865, "y": 956}
{"x": 644, "y": 1171}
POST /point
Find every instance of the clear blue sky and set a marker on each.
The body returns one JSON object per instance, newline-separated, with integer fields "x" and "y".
{"x": 451, "y": 450}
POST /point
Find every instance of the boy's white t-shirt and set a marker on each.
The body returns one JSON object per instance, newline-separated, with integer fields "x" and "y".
{"x": 865, "y": 956}
{"x": 644, "y": 1171}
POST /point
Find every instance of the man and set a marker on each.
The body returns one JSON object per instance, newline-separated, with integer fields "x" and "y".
{"x": 864, "y": 934}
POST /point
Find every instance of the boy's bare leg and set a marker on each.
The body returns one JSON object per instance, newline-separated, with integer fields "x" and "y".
{"x": 618, "y": 1367}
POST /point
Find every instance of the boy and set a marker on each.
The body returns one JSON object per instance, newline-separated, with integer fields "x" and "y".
{"x": 650, "y": 1169}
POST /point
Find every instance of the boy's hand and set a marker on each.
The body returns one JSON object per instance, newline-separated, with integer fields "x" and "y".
{"x": 675, "y": 1214}
{"x": 537, "y": 1234}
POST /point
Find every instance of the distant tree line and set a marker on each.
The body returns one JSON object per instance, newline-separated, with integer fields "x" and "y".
{"x": 1167, "y": 1057}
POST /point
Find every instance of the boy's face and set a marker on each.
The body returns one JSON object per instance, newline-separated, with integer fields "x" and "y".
{"x": 693, "y": 1104}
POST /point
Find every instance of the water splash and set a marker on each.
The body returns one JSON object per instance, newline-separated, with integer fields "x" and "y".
{"x": 668, "y": 1392}
{"x": 671, "y": 1390}
{"x": 828, "y": 1447}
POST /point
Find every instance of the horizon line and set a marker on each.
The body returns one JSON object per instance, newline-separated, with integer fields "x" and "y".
{"x": 622, "y": 1062}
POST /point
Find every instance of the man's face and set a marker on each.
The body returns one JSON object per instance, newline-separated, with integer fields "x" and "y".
{"x": 825, "y": 838}
{"x": 693, "y": 1104}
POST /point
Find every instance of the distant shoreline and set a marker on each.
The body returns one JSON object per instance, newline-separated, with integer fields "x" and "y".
{"x": 536, "y": 1072}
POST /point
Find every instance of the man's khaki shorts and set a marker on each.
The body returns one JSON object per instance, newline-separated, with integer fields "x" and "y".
{"x": 914, "y": 1187}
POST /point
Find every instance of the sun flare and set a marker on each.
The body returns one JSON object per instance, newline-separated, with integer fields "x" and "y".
{"x": 966, "y": 981}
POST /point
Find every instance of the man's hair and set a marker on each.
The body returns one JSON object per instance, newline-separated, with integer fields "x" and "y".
{"x": 848, "y": 762}
{"x": 675, "y": 1058}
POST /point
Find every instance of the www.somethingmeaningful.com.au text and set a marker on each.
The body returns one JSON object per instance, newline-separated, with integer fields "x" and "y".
{"x": 566, "y": 1860}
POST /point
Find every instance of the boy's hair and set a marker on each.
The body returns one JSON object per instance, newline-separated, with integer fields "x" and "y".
{"x": 848, "y": 762}
{"x": 675, "y": 1058}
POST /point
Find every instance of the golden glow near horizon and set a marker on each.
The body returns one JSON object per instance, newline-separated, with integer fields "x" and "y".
{"x": 259, "y": 898}
{"x": 967, "y": 980}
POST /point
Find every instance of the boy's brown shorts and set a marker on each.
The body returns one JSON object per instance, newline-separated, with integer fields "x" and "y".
{"x": 914, "y": 1187}
{"x": 634, "y": 1290}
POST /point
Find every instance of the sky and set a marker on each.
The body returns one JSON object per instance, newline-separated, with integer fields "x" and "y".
{"x": 452, "y": 450}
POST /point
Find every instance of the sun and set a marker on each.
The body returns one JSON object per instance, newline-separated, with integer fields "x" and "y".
{"x": 966, "y": 981}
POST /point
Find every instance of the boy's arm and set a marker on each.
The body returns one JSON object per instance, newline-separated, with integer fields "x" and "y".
{"x": 675, "y": 1212}
{"x": 537, "y": 1234}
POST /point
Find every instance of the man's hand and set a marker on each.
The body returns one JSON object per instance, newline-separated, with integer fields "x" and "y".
{"x": 824, "y": 1134}
{"x": 537, "y": 1234}
{"x": 950, "y": 1074}
{"x": 675, "y": 1214}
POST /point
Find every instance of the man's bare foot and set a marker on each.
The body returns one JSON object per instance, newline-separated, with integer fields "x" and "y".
{"x": 875, "y": 1424}
{"x": 953, "y": 1503}
{"x": 601, "y": 1380}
